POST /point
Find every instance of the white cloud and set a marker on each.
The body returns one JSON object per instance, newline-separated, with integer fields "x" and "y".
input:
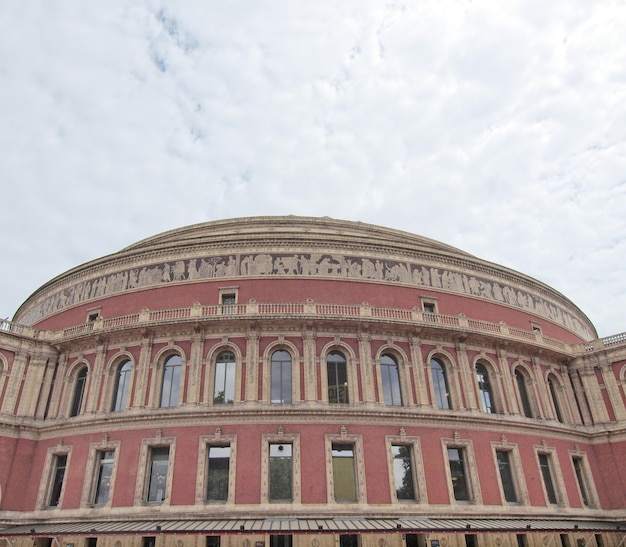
{"x": 498, "y": 128}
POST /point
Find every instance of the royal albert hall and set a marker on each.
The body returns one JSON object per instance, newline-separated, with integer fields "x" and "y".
{"x": 294, "y": 381}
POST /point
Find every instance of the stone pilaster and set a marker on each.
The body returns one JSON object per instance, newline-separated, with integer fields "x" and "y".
{"x": 252, "y": 365}
{"x": 141, "y": 377}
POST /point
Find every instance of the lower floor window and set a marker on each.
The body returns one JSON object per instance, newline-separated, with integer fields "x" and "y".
{"x": 281, "y": 541}
{"x": 159, "y": 459}
{"x": 458, "y": 474}
{"x": 344, "y": 476}
{"x": 349, "y": 540}
{"x": 213, "y": 541}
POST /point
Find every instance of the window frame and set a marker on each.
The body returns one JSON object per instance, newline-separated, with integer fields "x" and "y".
{"x": 517, "y": 472}
{"x": 48, "y": 479}
{"x": 296, "y": 486}
{"x": 214, "y": 384}
{"x": 356, "y": 442}
{"x": 205, "y": 443}
{"x": 383, "y": 369}
{"x": 92, "y": 472}
{"x": 470, "y": 470}
{"x": 163, "y": 366}
{"x": 78, "y": 401}
{"x": 117, "y": 369}
{"x": 491, "y": 391}
{"x": 143, "y": 472}
{"x": 417, "y": 468}
{"x": 587, "y": 479}
{"x": 555, "y": 474}
{"x": 285, "y": 387}
{"x": 435, "y": 383}
{"x": 557, "y": 398}
{"x": 526, "y": 402}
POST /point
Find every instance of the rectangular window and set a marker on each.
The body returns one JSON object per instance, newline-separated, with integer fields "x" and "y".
{"x": 229, "y": 301}
{"x": 91, "y": 542}
{"x": 458, "y": 474}
{"x": 58, "y": 474}
{"x": 403, "y": 472}
{"x": 580, "y": 477}
{"x": 149, "y": 541}
{"x": 218, "y": 472}
{"x": 415, "y": 540}
{"x": 506, "y": 475}
{"x": 344, "y": 473}
{"x": 337, "y": 373}
{"x": 348, "y": 540}
{"x": 103, "y": 479}
{"x": 546, "y": 473}
{"x": 281, "y": 541}
{"x": 213, "y": 541}
{"x": 280, "y": 472}
{"x": 157, "y": 480}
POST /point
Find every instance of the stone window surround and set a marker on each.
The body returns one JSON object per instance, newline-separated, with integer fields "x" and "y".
{"x": 419, "y": 477}
{"x": 143, "y": 474}
{"x": 45, "y": 485}
{"x": 281, "y": 438}
{"x": 471, "y": 470}
{"x": 91, "y": 472}
{"x": 359, "y": 461}
{"x": 205, "y": 442}
{"x": 516, "y": 469}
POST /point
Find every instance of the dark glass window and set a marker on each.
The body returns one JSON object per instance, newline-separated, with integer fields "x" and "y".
{"x": 79, "y": 392}
{"x": 580, "y": 477}
{"x": 170, "y": 385}
{"x": 91, "y": 542}
{"x": 157, "y": 480}
{"x": 224, "y": 389}
{"x": 348, "y": 540}
{"x": 403, "y": 472}
{"x": 546, "y": 473}
{"x": 458, "y": 474}
{"x": 281, "y": 541}
{"x": 281, "y": 377}
{"x": 58, "y": 474}
{"x": 122, "y": 386}
{"x": 103, "y": 479}
{"x": 218, "y": 473}
{"x": 506, "y": 475}
{"x": 523, "y": 393}
{"x": 344, "y": 472}
{"x": 337, "y": 373}
{"x": 213, "y": 541}
{"x": 391, "y": 380}
{"x": 149, "y": 541}
{"x": 281, "y": 472}
{"x": 555, "y": 399}
{"x": 440, "y": 385}
{"x": 484, "y": 389}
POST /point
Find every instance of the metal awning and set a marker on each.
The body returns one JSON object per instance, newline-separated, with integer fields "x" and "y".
{"x": 306, "y": 525}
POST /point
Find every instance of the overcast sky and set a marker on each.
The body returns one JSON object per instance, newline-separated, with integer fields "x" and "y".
{"x": 496, "y": 127}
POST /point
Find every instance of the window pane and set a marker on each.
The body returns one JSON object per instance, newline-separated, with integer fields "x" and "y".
{"x": 484, "y": 388}
{"x": 458, "y": 474}
{"x": 544, "y": 463}
{"x": 224, "y": 390}
{"x": 337, "y": 374}
{"x": 555, "y": 399}
{"x": 218, "y": 473}
{"x": 506, "y": 475}
{"x": 280, "y": 541}
{"x": 79, "y": 392}
{"x": 344, "y": 477}
{"x": 281, "y": 377}
{"x": 103, "y": 481}
{"x": 158, "y": 474}
{"x": 58, "y": 475}
{"x": 391, "y": 380}
{"x": 122, "y": 384}
{"x": 171, "y": 381}
{"x": 580, "y": 476}
{"x": 523, "y": 393}
{"x": 281, "y": 472}
{"x": 440, "y": 385}
{"x": 403, "y": 472}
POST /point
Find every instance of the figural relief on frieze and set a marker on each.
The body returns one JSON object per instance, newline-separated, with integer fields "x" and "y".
{"x": 333, "y": 265}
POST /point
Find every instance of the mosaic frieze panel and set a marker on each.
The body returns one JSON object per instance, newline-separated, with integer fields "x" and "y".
{"x": 301, "y": 265}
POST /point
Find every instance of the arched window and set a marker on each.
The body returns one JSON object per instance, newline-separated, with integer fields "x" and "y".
{"x": 224, "y": 386}
{"x": 522, "y": 389}
{"x": 484, "y": 389}
{"x": 170, "y": 385}
{"x": 79, "y": 392}
{"x": 122, "y": 386}
{"x": 391, "y": 380}
{"x": 440, "y": 384}
{"x": 554, "y": 386}
{"x": 337, "y": 375}
{"x": 281, "y": 377}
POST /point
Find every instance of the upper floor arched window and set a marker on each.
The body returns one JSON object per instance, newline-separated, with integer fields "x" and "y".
{"x": 224, "y": 384}
{"x": 281, "y": 377}
{"x": 390, "y": 376}
{"x": 522, "y": 389}
{"x": 440, "y": 384}
{"x": 484, "y": 389}
{"x": 170, "y": 383}
{"x": 79, "y": 392}
{"x": 555, "y": 387}
{"x": 122, "y": 386}
{"x": 337, "y": 376}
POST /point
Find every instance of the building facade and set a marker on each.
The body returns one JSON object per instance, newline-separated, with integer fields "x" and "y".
{"x": 288, "y": 381}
